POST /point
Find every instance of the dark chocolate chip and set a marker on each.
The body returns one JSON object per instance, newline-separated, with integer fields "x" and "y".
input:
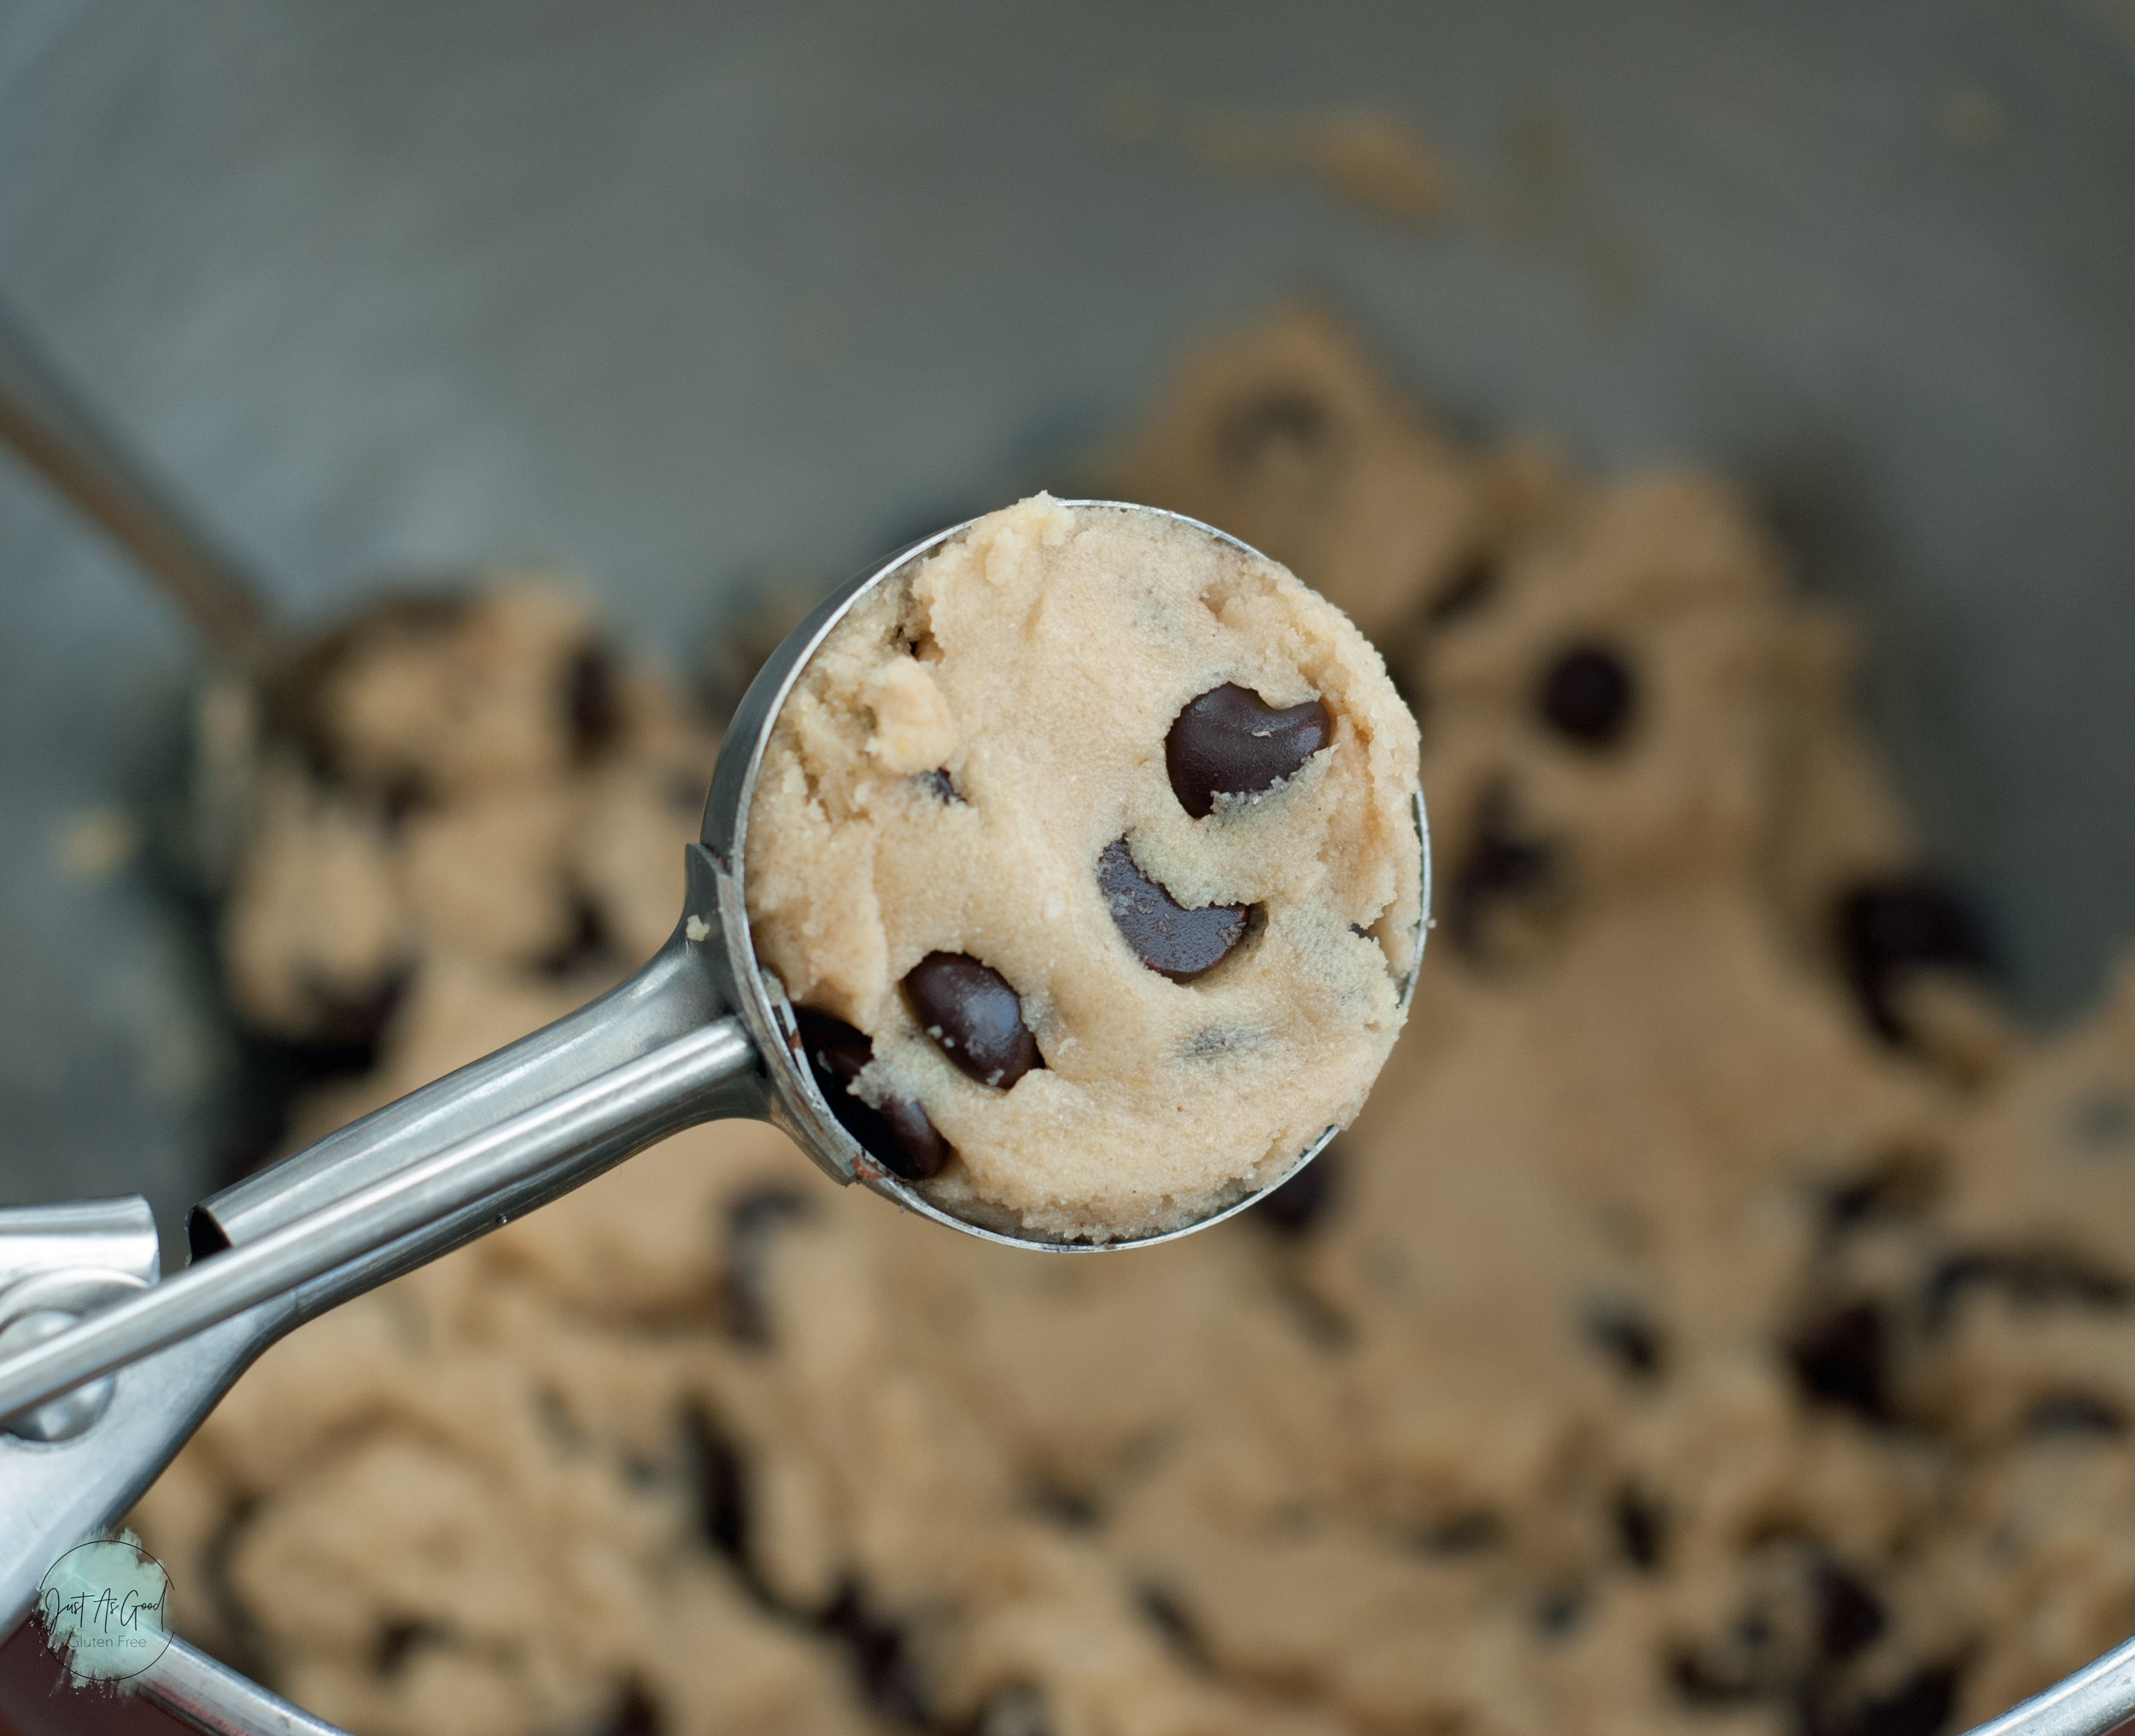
{"x": 1887, "y": 927}
{"x": 1464, "y": 1533}
{"x": 886, "y": 1674}
{"x": 274, "y": 1073}
{"x": 591, "y": 701}
{"x": 2035, "y": 1277}
{"x": 1628, "y": 1337}
{"x": 2078, "y": 1414}
{"x": 1303, "y": 1199}
{"x": 1502, "y": 866}
{"x": 1900, "y": 1185}
{"x": 899, "y": 1134}
{"x": 969, "y": 1009}
{"x": 1704, "y": 1682}
{"x": 2101, "y": 1122}
{"x": 750, "y": 1221}
{"x": 938, "y": 784}
{"x": 637, "y": 1714}
{"x": 1849, "y": 1617}
{"x": 1071, "y": 1508}
{"x": 1587, "y": 695}
{"x": 587, "y": 947}
{"x": 1163, "y": 1612}
{"x": 403, "y": 798}
{"x": 1843, "y": 1358}
{"x": 722, "y": 1507}
{"x": 1919, "y": 1706}
{"x": 399, "y": 1642}
{"x": 1171, "y": 940}
{"x": 1463, "y": 594}
{"x": 1280, "y": 418}
{"x": 1557, "y": 1613}
{"x": 1231, "y": 742}
{"x": 1640, "y": 1527}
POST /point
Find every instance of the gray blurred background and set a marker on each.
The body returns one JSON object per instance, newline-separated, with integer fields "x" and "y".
{"x": 700, "y": 299}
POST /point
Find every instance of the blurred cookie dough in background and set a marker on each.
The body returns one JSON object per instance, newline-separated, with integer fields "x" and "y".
{"x": 1716, "y": 1320}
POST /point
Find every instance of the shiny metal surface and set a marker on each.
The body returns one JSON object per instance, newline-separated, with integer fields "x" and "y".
{"x": 53, "y": 1494}
{"x": 674, "y": 993}
{"x": 113, "y": 1235}
{"x": 2098, "y": 1698}
{"x": 198, "y": 1691}
{"x": 421, "y": 1209}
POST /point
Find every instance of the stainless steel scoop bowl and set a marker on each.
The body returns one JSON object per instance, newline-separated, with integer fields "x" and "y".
{"x": 701, "y": 1032}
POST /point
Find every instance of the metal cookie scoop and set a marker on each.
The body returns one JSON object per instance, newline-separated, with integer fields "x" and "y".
{"x": 104, "y": 1372}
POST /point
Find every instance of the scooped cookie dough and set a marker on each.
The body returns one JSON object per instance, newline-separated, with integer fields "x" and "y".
{"x": 1098, "y": 830}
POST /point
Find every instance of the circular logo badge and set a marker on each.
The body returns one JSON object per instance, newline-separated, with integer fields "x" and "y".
{"x": 102, "y": 1605}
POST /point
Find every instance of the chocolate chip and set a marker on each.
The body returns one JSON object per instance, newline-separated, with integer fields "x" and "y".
{"x": 1170, "y": 939}
{"x": 1587, "y": 694}
{"x": 937, "y": 784}
{"x": 1627, "y": 1336}
{"x": 399, "y": 1642}
{"x": 272, "y": 1074}
{"x": 1162, "y": 1612}
{"x": 886, "y": 1674}
{"x": 1501, "y": 866}
{"x": 1557, "y": 1613}
{"x": 1919, "y": 1706}
{"x": 2076, "y": 1414}
{"x": 1843, "y": 1358}
{"x": 1702, "y": 1682}
{"x": 1071, "y": 1508}
{"x": 587, "y": 947}
{"x": 969, "y": 1009}
{"x": 1900, "y": 1185}
{"x": 2034, "y": 1277}
{"x": 1849, "y": 1617}
{"x": 1463, "y": 1533}
{"x": 1280, "y": 418}
{"x": 1889, "y": 927}
{"x": 722, "y": 1510}
{"x": 1231, "y": 742}
{"x": 750, "y": 1221}
{"x": 1463, "y": 594}
{"x": 899, "y": 1134}
{"x": 591, "y": 701}
{"x": 637, "y": 1714}
{"x": 2100, "y": 1121}
{"x": 1303, "y": 1199}
{"x": 1641, "y": 1525}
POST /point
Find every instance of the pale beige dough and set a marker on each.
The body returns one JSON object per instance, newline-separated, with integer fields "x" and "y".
{"x": 1038, "y": 661}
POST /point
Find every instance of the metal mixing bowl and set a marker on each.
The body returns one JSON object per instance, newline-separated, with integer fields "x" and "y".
{"x": 688, "y": 298}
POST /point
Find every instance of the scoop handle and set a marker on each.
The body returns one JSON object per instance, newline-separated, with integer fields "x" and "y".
{"x": 677, "y": 1084}
{"x": 397, "y": 1189}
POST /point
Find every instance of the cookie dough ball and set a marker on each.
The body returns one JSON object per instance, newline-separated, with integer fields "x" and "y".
{"x": 1086, "y": 849}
